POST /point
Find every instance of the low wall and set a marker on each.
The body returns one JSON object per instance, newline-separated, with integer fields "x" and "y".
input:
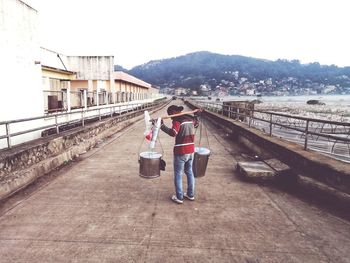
{"x": 22, "y": 164}
{"x": 331, "y": 172}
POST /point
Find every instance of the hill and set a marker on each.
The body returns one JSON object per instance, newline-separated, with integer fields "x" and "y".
{"x": 231, "y": 71}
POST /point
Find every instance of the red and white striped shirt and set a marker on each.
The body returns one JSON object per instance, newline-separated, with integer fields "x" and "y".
{"x": 183, "y": 131}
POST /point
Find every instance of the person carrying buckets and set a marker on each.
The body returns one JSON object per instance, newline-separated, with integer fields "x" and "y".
{"x": 183, "y": 129}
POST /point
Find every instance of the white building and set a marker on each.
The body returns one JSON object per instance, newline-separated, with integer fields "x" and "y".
{"x": 329, "y": 89}
{"x": 20, "y": 70}
{"x": 20, "y": 85}
{"x": 250, "y": 92}
{"x": 36, "y": 81}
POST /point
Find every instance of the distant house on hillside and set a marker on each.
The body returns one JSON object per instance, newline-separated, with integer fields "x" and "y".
{"x": 250, "y": 91}
{"x": 329, "y": 89}
{"x": 180, "y": 91}
{"x": 205, "y": 91}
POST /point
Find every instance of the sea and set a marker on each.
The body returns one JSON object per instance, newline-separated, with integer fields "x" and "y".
{"x": 334, "y": 107}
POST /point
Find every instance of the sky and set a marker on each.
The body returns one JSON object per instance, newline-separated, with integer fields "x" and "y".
{"x": 138, "y": 31}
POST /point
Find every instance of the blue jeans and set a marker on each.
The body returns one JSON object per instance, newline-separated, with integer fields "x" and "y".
{"x": 183, "y": 163}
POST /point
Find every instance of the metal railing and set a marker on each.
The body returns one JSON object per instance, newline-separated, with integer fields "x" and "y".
{"x": 328, "y": 137}
{"x": 63, "y": 100}
{"x": 13, "y": 128}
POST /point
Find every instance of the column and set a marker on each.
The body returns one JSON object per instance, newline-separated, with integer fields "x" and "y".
{"x": 113, "y": 89}
{"x": 91, "y": 92}
{"x": 68, "y": 97}
{"x": 98, "y": 93}
{"x": 85, "y": 99}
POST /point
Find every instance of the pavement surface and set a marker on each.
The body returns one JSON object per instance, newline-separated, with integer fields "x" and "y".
{"x": 98, "y": 209}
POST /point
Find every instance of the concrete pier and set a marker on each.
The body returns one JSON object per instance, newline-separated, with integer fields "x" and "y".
{"x": 98, "y": 209}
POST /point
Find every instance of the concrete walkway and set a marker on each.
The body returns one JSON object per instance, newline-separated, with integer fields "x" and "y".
{"x": 99, "y": 210}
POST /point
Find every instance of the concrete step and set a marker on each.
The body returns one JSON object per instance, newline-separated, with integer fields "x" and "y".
{"x": 256, "y": 170}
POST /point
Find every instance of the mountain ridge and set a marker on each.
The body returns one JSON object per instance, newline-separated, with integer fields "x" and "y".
{"x": 212, "y": 69}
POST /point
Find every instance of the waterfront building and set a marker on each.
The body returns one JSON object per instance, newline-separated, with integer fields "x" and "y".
{"x": 37, "y": 81}
{"x": 20, "y": 88}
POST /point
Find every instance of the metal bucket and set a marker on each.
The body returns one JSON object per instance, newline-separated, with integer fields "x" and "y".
{"x": 200, "y": 161}
{"x": 150, "y": 164}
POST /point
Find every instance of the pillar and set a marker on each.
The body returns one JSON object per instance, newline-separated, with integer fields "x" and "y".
{"x": 85, "y": 99}
{"x": 68, "y": 97}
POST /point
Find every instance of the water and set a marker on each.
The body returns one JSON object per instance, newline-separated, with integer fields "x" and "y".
{"x": 302, "y": 99}
{"x": 336, "y": 108}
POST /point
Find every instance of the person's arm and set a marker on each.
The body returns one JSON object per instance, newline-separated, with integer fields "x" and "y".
{"x": 173, "y": 131}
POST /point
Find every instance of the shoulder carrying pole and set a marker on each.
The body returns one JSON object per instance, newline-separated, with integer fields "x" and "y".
{"x": 180, "y": 114}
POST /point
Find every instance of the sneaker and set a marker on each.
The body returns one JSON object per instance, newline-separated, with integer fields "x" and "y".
{"x": 176, "y": 200}
{"x": 189, "y": 197}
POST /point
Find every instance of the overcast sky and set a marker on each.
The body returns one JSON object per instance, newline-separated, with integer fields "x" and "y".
{"x": 137, "y": 31}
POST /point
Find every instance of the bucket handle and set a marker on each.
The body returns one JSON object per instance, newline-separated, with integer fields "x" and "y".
{"x": 201, "y": 124}
{"x": 143, "y": 139}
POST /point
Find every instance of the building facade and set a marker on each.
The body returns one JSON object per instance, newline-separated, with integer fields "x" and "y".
{"x": 36, "y": 81}
{"x": 75, "y": 82}
{"x": 20, "y": 87}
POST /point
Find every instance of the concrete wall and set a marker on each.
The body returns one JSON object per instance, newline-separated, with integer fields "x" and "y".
{"x": 21, "y": 165}
{"x": 92, "y": 67}
{"x": 76, "y": 85}
{"x": 331, "y": 172}
{"x": 20, "y": 83}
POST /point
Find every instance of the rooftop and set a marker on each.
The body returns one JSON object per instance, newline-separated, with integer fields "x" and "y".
{"x": 99, "y": 209}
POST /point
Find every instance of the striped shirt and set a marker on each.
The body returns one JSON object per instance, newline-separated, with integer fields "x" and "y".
{"x": 183, "y": 131}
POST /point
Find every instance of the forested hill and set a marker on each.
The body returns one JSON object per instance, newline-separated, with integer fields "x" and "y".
{"x": 194, "y": 69}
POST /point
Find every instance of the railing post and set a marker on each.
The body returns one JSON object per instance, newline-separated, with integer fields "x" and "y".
{"x": 99, "y": 114}
{"x": 8, "y": 134}
{"x": 82, "y": 118}
{"x": 270, "y": 124}
{"x": 85, "y": 99}
{"x": 56, "y": 123}
{"x": 306, "y": 134}
{"x": 69, "y": 102}
{"x": 251, "y": 113}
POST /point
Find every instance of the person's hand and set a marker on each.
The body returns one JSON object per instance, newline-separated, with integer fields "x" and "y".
{"x": 198, "y": 111}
